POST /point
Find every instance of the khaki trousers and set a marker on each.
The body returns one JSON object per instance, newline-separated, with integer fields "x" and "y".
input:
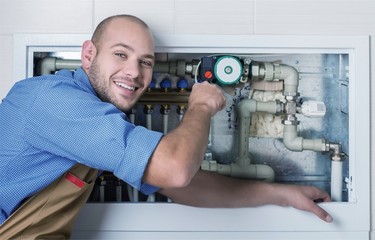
{"x": 50, "y": 214}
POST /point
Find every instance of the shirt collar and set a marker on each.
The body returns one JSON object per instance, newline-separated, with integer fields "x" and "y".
{"x": 82, "y": 78}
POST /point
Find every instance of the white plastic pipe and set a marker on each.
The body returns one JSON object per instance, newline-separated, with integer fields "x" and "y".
{"x": 135, "y": 195}
{"x": 151, "y": 197}
{"x": 102, "y": 184}
{"x": 119, "y": 192}
{"x": 52, "y": 64}
{"x": 258, "y": 171}
{"x": 251, "y": 171}
{"x": 132, "y": 117}
{"x": 101, "y": 194}
{"x": 336, "y": 180}
{"x": 295, "y": 143}
{"x": 149, "y": 121}
{"x": 290, "y": 76}
{"x": 243, "y": 167}
{"x": 245, "y": 108}
{"x": 165, "y": 123}
{"x": 130, "y": 193}
{"x": 275, "y": 72}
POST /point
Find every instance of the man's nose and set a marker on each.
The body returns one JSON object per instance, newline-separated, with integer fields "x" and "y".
{"x": 131, "y": 68}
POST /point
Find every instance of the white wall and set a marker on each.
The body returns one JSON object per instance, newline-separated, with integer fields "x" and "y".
{"x": 307, "y": 17}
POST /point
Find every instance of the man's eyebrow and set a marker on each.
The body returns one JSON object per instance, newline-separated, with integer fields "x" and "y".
{"x": 130, "y": 48}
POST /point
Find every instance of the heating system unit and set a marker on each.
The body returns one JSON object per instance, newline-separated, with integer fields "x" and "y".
{"x": 297, "y": 112}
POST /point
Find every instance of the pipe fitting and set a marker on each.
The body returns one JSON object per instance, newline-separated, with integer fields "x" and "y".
{"x": 148, "y": 109}
{"x": 295, "y": 143}
{"x": 290, "y": 76}
{"x": 165, "y": 109}
{"x": 336, "y": 154}
{"x": 290, "y": 108}
{"x": 243, "y": 167}
{"x": 252, "y": 171}
{"x": 248, "y": 106}
{"x": 176, "y": 68}
{"x": 46, "y": 66}
{"x": 245, "y": 108}
{"x": 274, "y": 72}
{"x": 263, "y": 71}
{"x": 50, "y": 65}
{"x": 279, "y": 107}
{"x": 290, "y": 120}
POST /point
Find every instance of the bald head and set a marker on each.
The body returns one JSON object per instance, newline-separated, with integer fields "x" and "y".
{"x": 99, "y": 33}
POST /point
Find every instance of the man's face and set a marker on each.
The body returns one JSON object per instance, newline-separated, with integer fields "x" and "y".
{"x": 122, "y": 68}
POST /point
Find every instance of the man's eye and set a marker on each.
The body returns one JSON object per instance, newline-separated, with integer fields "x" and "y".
{"x": 147, "y": 63}
{"x": 121, "y": 55}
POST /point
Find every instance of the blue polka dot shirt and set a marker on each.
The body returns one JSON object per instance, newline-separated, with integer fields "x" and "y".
{"x": 51, "y": 122}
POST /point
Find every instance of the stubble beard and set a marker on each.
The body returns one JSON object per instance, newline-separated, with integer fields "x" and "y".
{"x": 100, "y": 85}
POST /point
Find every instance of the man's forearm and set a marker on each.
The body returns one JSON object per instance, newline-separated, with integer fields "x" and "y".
{"x": 180, "y": 153}
{"x": 213, "y": 190}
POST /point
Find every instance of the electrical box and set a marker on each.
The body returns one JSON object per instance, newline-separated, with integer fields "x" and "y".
{"x": 332, "y": 102}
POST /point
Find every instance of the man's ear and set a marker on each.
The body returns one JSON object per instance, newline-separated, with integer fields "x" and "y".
{"x": 88, "y": 54}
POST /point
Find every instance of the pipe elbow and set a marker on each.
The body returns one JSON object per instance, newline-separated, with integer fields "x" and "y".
{"x": 290, "y": 76}
{"x": 293, "y": 144}
{"x": 251, "y": 171}
{"x": 46, "y": 65}
{"x": 246, "y": 107}
{"x": 290, "y": 138}
{"x": 265, "y": 172}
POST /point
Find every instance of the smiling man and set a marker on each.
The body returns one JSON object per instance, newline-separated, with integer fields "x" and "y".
{"x": 119, "y": 63}
{"x": 58, "y": 130}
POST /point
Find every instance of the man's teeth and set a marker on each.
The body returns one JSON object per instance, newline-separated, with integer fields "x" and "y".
{"x": 123, "y": 85}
